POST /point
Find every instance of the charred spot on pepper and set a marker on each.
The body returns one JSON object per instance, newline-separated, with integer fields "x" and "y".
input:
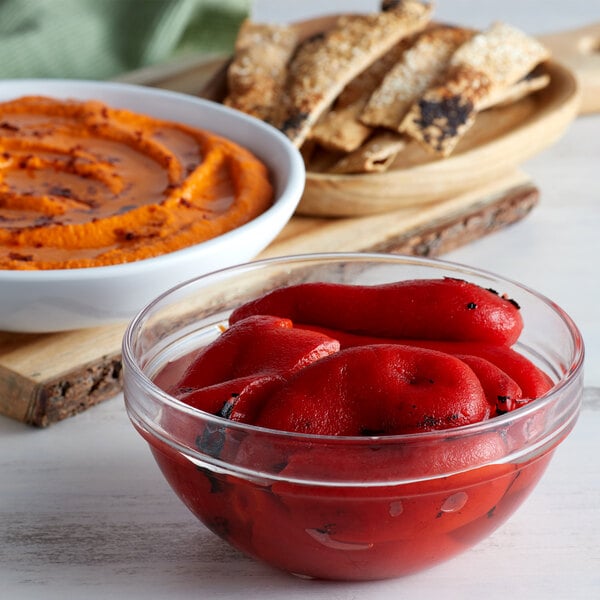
{"x": 365, "y": 431}
{"x": 415, "y": 380}
{"x": 327, "y": 529}
{"x": 514, "y": 303}
{"x": 430, "y": 421}
{"x": 212, "y": 440}
{"x": 228, "y": 405}
{"x": 216, "y": 485}
{"x": 184, "y": 389}
{"x": 471, "y": 306}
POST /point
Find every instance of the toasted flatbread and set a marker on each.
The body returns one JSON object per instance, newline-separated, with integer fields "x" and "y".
{"x": 257, "y": 73}
{"x": 339, "y": 129}
{"x": 421, "y": 66}
{"x": 325, "y": 64}
{"x": 374, "y": 156}
{"x": 503, "y": 53}
{"x": 533, "y": 82}
{"x": 379, "y": 153}
{"x": 490, "y": 62}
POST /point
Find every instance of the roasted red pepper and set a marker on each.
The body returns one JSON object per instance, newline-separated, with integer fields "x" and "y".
{"x": 259, "y": 345}
{"x": 232, "y": 376}
{"x": 336, "y": 360}
{"x": 236, "y": 399}
{"x": 532, "y": 381}
{"x": 502, "y": 391}
{"x": 433, "y": 309}
{"x": 377, "y": 390}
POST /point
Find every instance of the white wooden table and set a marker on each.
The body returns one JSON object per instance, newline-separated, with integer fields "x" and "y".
{"x": 85, "y": 513}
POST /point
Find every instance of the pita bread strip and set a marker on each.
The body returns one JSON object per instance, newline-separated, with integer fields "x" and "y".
{"x": 375, "y": 156}
{"x": 340, "y": 129}
{"x": 526, "y": 86}
{"x": 419, "y": 68}
{"x": 488, "y": 63}
{"x": 442, "y": 115}
{"x": 324, "y": 65}
{"x": 503, "y": 53}
{"x": 257, "y": 73}
{"x": 363, "y": 85}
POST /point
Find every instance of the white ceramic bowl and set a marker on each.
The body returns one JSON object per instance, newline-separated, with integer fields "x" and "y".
{"x": 64, "y": 299}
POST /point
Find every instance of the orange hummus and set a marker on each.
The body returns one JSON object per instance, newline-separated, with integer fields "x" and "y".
{"x": 86, "y": 185}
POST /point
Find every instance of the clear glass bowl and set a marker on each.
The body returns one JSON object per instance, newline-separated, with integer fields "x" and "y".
{"x": 345, "y": 508}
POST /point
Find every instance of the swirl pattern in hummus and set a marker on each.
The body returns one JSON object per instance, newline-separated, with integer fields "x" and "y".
{"x": 85, "y": 185}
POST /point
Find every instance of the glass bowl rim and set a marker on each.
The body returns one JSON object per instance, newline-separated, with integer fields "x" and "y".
{"x": 571, "y": 374}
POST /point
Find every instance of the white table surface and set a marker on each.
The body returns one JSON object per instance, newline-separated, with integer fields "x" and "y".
{"x": 85, "y": 513}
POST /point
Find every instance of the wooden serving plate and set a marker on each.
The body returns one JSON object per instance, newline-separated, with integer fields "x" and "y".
{"x": 501, "y": 139}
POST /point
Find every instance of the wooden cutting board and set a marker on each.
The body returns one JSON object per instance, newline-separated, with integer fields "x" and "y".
{"x": 45, "y": 378}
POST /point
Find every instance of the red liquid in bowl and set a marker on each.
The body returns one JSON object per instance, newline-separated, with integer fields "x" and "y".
{"x": 351, "y": 533}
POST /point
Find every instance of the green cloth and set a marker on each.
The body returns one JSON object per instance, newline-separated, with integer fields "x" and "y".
{"x": 99, "y": 39}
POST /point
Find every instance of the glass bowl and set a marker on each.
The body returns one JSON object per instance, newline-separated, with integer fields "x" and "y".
{"x": 345, "y": 508}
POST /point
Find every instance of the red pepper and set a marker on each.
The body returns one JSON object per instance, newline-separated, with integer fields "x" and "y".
{"x": 533, "y": 382}
{"x": 375, "y": 390}
{"x": 259, "y": 345}
{"x": 364, "y": 521}
{"x": 236, "y": 399}
{"x": 502, "y": 391}
{"x": 438, "y": 309}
